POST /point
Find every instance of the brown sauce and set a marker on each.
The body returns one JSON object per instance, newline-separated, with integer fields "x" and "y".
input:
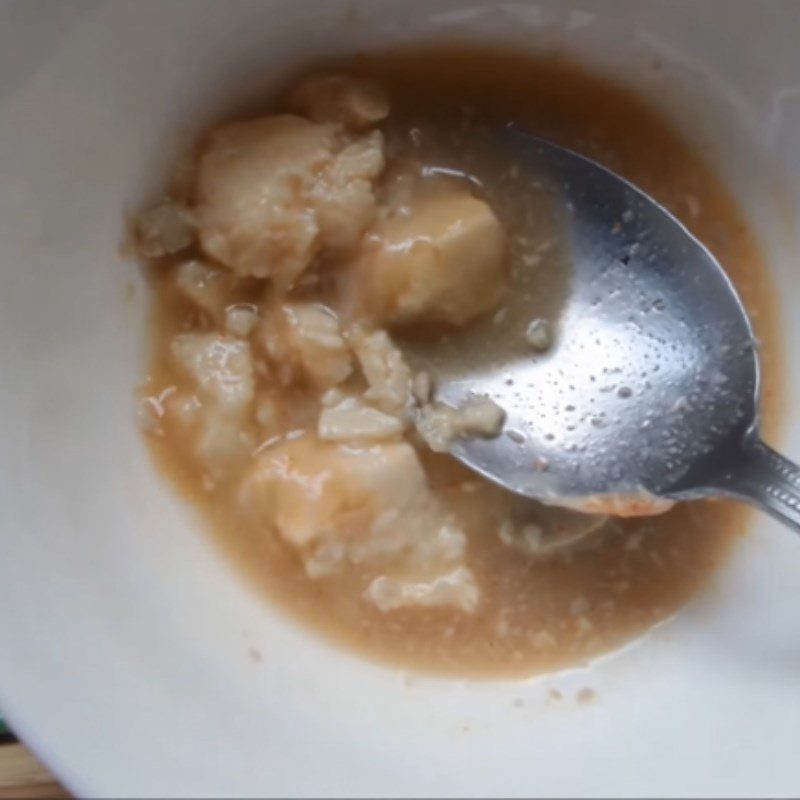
{"x": 535, "y": 613}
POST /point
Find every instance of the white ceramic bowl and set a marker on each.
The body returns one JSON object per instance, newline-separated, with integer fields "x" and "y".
{"x": 124, "y": 638}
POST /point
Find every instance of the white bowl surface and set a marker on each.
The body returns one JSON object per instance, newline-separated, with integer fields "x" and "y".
{"x": 125, "y": 638}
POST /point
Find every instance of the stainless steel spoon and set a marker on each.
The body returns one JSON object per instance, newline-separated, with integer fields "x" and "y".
{"x": 649, "y": 393}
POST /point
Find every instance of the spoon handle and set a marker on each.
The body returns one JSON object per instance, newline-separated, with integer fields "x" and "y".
{"x": 765, "y": 479}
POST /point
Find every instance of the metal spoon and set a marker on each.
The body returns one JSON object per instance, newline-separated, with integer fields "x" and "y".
{"x": 649, "y": 393}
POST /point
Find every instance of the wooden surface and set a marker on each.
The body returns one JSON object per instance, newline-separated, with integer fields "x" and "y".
{"x": 22, "y": 776}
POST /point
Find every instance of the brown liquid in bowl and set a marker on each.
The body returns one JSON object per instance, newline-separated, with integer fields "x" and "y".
{"x": 535, "y": 613}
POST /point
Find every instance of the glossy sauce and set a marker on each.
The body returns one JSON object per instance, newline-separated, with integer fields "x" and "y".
{"x": 537, "y": 612}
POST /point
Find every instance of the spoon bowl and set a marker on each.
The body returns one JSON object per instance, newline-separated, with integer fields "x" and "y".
{"x": 649, "y": 391}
